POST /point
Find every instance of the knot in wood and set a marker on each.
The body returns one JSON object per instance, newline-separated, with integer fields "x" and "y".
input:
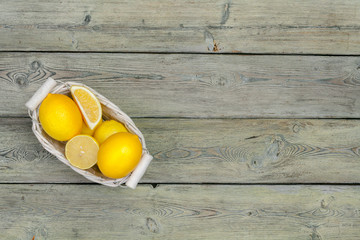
{"x": 87, "y": 19}
{"x": 21, "y": 80}
{"x": 152, "y": 225}
{"x": 35, "y": 65}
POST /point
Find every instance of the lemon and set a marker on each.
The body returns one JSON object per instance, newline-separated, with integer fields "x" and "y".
{"x": 81, "y": 151}
{"x": 119, "y": 154}
{"x": 89, "y": 105}
{"x": 108, "y": 128}
{"x": 60, "y": 117}
{"x": 86, "y": 130}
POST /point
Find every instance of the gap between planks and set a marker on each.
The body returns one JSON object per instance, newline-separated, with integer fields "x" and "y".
{"x": 208, "y": 118}
{"x": 155, "y": 185}
{"x": 187, "y": 53}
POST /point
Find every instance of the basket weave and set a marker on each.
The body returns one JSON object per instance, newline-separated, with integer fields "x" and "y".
{"x": 110, "y": 111}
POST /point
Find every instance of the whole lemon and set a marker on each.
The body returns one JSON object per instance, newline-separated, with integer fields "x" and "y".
{"x": 108, "y": 128}
{"x": 119, "y": 154}
{"x": 86, "y": 130}
{"x": 60, "y": 117}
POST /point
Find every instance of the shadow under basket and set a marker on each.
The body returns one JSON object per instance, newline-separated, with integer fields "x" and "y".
{"x": 109, "y": 111}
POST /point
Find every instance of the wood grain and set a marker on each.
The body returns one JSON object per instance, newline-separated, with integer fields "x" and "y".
{"x": 206, "y": 86}
{"x": 179, "y": 212}
{"x": 280, "y": 26}
{"x": 208, "y": 151}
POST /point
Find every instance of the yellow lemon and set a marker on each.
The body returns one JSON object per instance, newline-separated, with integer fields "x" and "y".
{"x": 81, "y": 151}
{"x": 86, "y": 130}
{"x": 108, "y": 128}
{"x": 119, "y": 154}
{"x": 89, "y": 105}
{"x": 60, "y": 117}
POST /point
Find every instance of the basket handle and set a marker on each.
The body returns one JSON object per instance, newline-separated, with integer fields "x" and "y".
{"x": 40, "y": 94}
{"x": 139, "y": 171}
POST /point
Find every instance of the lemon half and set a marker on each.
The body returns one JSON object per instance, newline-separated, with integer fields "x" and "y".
{"x": 81, "y": 151}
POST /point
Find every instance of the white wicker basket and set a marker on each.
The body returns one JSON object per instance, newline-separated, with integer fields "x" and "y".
{"x": 110, "y": 111}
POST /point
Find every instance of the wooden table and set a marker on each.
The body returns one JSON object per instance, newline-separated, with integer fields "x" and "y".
{"x": 250, "y": 108}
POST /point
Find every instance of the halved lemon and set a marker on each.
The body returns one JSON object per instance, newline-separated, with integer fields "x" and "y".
{"x": 89, "y": 105}
{"x": 81, "y": 151}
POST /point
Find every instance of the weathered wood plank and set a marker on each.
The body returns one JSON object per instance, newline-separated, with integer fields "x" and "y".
{"x": 179, "y": 212}
{"x": 210, "y": 151}
{"x": 161, "y": 85}
{"x": 324, "y": 27}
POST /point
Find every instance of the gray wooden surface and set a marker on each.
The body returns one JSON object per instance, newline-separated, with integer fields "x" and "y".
{"x": 179, "y": 212}
{"x": 250, "y": 108}
{"x": 183, "y": 85}
{"x": 281, "y": 26}
{"x": 209, "y": 151}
